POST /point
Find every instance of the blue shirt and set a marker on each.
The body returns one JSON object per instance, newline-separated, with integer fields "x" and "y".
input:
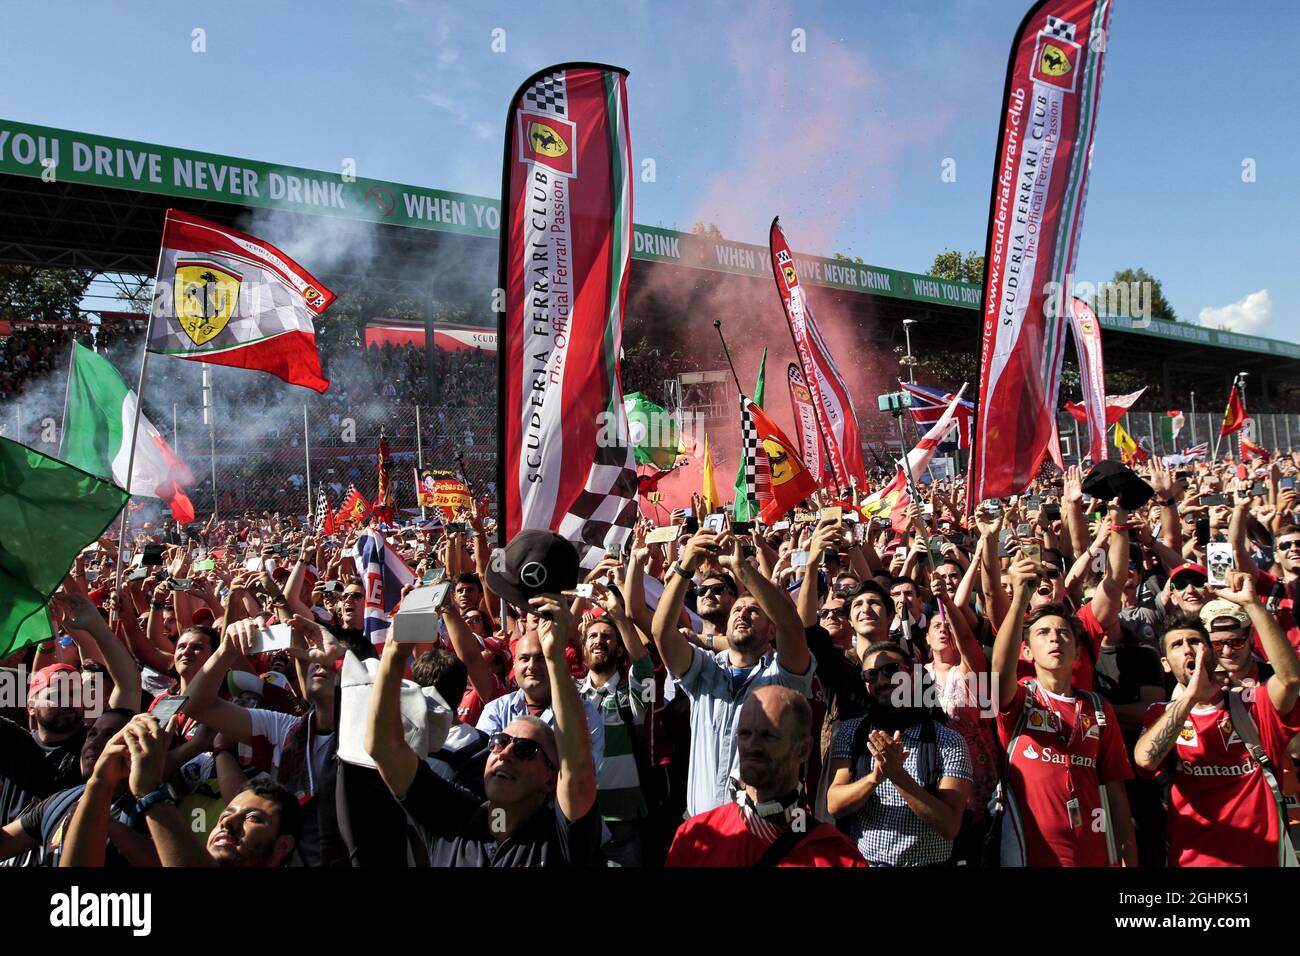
{"x": 497, "y": 715}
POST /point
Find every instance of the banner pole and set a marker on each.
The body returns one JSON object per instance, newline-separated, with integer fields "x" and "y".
{"x": 306, "y": 445}
{"x": 1193, "y": 419}
{"x": 1078, "y": 448}
{"x": 139, "y": 401}
{"x": 1151, "y": 430}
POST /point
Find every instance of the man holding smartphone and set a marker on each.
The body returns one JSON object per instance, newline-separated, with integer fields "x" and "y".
{"x": 1276, "y": 591}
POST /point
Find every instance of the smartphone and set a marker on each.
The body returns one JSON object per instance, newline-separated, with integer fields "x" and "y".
{"x": 1286, "y": 482}
{"x": 798, "y": 559}
{"x": 781, "y": 526}
{"x": 1202, "y": 532}
{"x": 935, "y": 544}
{"x": 883, "y": 522}
{"x": 332, "y": 586}
{"x": 457, "y": 527}
{"x": 181, "y": 584}
{"x": 661, "y": 535}
{"x": 747, "y": 551}
{"x": 615, "y": 552}
{"x": 1004, "y": 542}
{"x": 206, "y": 565}
{"x": 1031, "y": 550}
{"x": 416, "y": 621}
{"x": 1023, "y": 531}
{"x": 833, "y": 513}
{"x": 273, "y": 638}
{"x": 691, "y": 525}
{"x": 253, "y": 564}
{"x": 1052, "y": 512}
{"x": 431, "y": 577}
{"x": 91, "y": 574}
{"x": 1259, "y": 490}
{"x": 137, "y": 575}
{"x": 742, "y": 527}
{"x": 991, "y": 506}
{"x": 583, "y": 590}
{"x": 152, "y": 555}
{"x": 1033, "y": 502}
{"x": 1218, "y": 561}
{"x": 715, "y": 523}
{"x": 1215, "y": 500}
{"x": 167, "y": 708}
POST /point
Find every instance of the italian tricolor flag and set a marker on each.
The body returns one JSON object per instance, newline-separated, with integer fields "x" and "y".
{"x": 97, "y": 424}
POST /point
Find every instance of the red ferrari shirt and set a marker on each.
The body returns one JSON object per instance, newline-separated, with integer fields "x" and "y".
{"x": 722, "y": 837}
{"x": 1063, "y": 756}
{"x": 1222, "y": 812}
{"x": 1265, "y": 585}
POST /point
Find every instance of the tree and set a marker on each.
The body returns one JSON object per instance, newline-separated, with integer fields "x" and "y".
{"x": 706, "y": 229}
{"x": 1141, "y": 281}
{"x": 950, "y": 265}
{"x": 841, "y": 257}
{"x": 42, "y": 295}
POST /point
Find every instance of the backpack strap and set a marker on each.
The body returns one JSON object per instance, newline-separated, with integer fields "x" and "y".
{"x": 1244, "y": 724}
{"x": 1099, "y": 713}
{"x": 781, "y": 847}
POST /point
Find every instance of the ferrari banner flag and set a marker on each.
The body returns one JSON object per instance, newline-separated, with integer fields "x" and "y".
{"x": 1049, "y": 116}
{"x": 227, "y": 298}
{"x": 567, "y": 464}
{"x": 1092, "y": 375}
{"x": 805, "y": 426}
{"x": 830, "y": 396}
{"x": 789, "y": 480}
{"x": 1234, "y": 415}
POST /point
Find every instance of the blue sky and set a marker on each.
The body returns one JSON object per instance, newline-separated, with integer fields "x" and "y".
{"x": 845, "y": 141}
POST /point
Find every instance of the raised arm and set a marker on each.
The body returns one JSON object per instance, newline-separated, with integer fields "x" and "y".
{"x": 170, "y": 829}
{"x": 1284, "y": 685}
{"x": 204, "y": 705}
{"x": 1024, "y": 575}
{"x": 396, "y": 761}
{"x": 465, "y": 646}
{"x": 80, "y": 613}
{"x": 1109, "y": 596}
{"x": 674, "y": 649}
{"x": 828, "y": 530}
{"x": 791, "y": 641}
{"x": 575, "y": 792}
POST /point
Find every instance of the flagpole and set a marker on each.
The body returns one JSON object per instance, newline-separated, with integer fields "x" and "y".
{"x": 1151, "y": 430}
{"x": 306, "y": 444}
{"x": 419, "y": 464}
{"x": 1193, "y": 419}
{"x": 139, "y": 401}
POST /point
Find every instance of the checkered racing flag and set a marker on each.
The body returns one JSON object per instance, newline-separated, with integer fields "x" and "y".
{"x": 548, "y": 95}
{"x": 1060, "y": 28}
{"x": 322, "y": 511}
{"x": 749, "y": 443}
{"x": 605, "y": 511}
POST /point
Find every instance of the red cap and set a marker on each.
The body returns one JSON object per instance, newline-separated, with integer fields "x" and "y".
{"x": 41, "y": 679}
{"x": 204, "y": 615}
{"x": 1189, "y": 567}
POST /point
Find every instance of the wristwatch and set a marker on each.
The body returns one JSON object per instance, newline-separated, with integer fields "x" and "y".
{"x": 688, "y": 575}
{"x": 1166, "y": 502}
{"x": 165, "y": 793}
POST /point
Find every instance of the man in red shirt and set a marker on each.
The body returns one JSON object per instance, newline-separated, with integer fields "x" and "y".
{"x": 769, "y": 823}
{"x": 1065, "y": 798}
{"x": 1277, "y": 593}
{"x": 1223, "y": 809}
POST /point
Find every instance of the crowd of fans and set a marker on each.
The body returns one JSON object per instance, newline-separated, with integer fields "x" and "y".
{"x": 1101, "y": 671}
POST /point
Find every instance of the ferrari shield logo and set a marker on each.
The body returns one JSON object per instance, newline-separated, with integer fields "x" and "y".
{"x": 549, "y": 141}
{"x": 205, "y": 295}
{"x": 1053, "y": 61}
{"x": 545, "y": 140}
{"x": 790, "y": 278}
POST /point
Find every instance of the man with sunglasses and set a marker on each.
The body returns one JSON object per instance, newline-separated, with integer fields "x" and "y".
{"x": 1186, "y": 590}
{"x": 1229, "y": 630}
{"x": 1223, "y": 746}
{"x": 899, "y": 778}
{"x": 1276, "y": 591}
{"x": 540, "y": 783}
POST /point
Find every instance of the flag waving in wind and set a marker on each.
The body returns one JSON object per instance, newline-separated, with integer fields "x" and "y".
{"x": 383, "y": 574}
{"x": 892, "y": 500}
{"x": 1234, "y": 415}
{"x": 1116, "y": 407}
{"x": 227, "y": 298}
{"x": 835, "y": 416}
{"x": 787, "y": 479}
{"x": 1040, "y": 181}
{"x": 930, "y": 404}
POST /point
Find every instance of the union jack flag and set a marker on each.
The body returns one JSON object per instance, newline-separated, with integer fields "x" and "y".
{"x": 929, "y": 404}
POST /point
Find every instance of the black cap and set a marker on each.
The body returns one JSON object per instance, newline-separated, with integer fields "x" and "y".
{"x": 535, "y": 562}
{"x": 1110, "y": 479}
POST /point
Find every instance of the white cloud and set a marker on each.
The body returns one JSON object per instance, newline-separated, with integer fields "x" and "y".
{"x": 1250, "y": 315}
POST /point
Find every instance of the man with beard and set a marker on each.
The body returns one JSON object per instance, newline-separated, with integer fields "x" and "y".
{"x": 303, "y": 749}
{"x": 769, "y": 822}
{"x": 1228, "y": 627}
{"x": 898, "y": 775}
{"x": 714, "y": 596}
{"x": 718, "y": 683}
{"x": 622, "y": 703}
{"x": 256, "y": 829}
{"x": 540, "y": 783}
{"x": 1224, "y": 746}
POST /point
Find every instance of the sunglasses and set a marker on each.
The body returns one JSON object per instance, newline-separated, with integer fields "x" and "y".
{"x": 833, "y": 612}
{"x": 1236, "y": 643}
{"x": 1291, "y": 545}
{"x": 1188, "y": 581}
{"x": 885, "y": 671}
{"x": 353, "y": 596}
{"x": 705, "y": 590}
{"x": 524, "y": 748}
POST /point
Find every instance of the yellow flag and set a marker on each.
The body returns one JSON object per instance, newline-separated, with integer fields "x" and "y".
{"x": 1125, "y": 443}
{"x": 710, "y": 490}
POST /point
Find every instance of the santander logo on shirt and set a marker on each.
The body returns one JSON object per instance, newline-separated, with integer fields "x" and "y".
{"x": 1217, "y": 770}
{"x": 1049, "y": 756}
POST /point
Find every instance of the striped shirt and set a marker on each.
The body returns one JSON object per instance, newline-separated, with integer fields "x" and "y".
{"x": 618, "y": 785}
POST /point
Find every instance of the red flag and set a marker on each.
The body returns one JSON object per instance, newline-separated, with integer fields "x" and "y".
{"x": 1234, "y": 416}
{"x": 1116, "y": 406}
{"x": 830, "y": 396}
{"x": 384, "y": 489}
{"x": 227, "y": 298}
{"x": 805, "y": 426}
{"x": 1250, "y": 450}
{"x": 354, "y": 509}
{"x": 1040, "y": 181}
{"x": 783, "y": 480}
{"x": 1092, "y": 378}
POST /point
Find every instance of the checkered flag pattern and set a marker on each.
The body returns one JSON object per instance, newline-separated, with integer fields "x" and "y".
{"x": 605, "y": 511}
{"x": 749, "y": 441}
{"x": 1060, "y": 28}
{"x": 548, "y": 95}
{"x": 322, "y": 509}
{"x": 266, "y": 307}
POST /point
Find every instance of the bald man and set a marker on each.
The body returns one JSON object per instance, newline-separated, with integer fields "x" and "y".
{"x": 769, "y": 823}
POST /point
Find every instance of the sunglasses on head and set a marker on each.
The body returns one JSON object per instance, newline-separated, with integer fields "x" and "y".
{"x": 1186, "y": 581}
{"x": 524, "y": 748}
{"x": 885, "y": 671}
{"x": 833, "y": 612}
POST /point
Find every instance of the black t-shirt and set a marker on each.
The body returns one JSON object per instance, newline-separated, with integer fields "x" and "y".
{"x": 48, "y": 821}
{"x": 456, "y": 827}
{"x": 1123, "y": 670}
{"x": 31, "y": 771}
{"x": 840, "y": 675}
